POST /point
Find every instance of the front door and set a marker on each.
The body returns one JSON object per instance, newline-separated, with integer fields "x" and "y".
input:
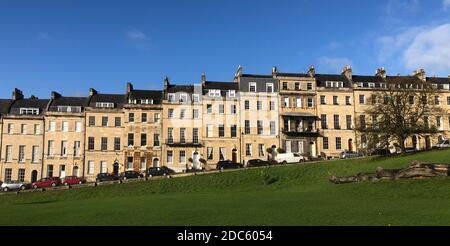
{"x": 116, "y": 168}
{"x": 234, "y": 155}
{"x": 62, "y": 171}
{"x": 33, "y": 176}
{"x": 75, "y": 171}
{"x": 350, "y": 144}
{"x": 428, "y": 142}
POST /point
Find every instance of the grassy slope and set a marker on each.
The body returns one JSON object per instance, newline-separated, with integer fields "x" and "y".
{"x": 302, "y": 195}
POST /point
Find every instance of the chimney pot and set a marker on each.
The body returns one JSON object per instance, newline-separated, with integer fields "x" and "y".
{"x": 129, "y": 87}
{"x": 17, "y": 94}
{"x": 55, "y": 95}
{"x": 92, "y": 92}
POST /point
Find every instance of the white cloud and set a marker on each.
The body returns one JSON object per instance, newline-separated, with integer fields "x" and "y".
{"x": 136, "y": 35}
{"x": 418, "y": 47}
{"x": 334, "y": 64}
{"x": 446, "y": 4}
{"x": 333, "y": 45}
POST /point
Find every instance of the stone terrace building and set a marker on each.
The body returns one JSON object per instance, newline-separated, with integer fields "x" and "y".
{"x": 195, "y": 126}
{"x": 64, "y": 136}
{"x": 258, "y": 114}
{"x": 23, "y": 138}
{"x": 221, "y": 121}
{"x": 182, "y": 134}
{"x": 298, "y": 112}
{"x": 105, "y": 135}
{"x": 335, "y": 108}
{"x": 143, "y": 126}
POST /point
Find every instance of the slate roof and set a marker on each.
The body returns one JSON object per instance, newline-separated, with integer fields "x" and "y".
{"x": 256, "y": 76}
{"x": 322, "y": 78}
{"x": 368, "y": 78}
{"x": 402, "y": 79}
{"x": 4, "y": 105}
{"x": 438, "y": 80}
{"x": 302, "y": 75}
{"x": 221, "y": 85}
{"x": 118, "y": 99}
{"x": 156, "y": 95}
{"x": 29, "y": 103}
{"x": 180, "y": 88}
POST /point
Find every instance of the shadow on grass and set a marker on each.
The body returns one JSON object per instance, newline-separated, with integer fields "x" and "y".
{"x": 37, "y": 202}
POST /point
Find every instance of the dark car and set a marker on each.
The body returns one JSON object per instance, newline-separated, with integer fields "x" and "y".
{"x": 106, "y": 177}
{"x": 47, "y": 182}
{"x": 258, "y": 163}
{"x": 350, "y": 154}
{"x": 228, "y": 165}
{"x": 159, "y": 171}
{"x": 379, "y": 152}
{"x": 131, "y": 175}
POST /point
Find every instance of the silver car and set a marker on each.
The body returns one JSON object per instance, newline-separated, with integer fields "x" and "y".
{"x": 350, "y": 154}
{"x": 13, "y": 185}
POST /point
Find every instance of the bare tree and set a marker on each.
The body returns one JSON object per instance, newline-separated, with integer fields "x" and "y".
{"x": 402, "y": 109}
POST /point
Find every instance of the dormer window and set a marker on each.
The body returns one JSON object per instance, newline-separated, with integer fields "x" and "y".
{"x": 183, "y": 98}
{"x": 69, "y": 109}
{"x": 334, "y": 84}
{"x": 104, "y": 105}
{"x": 435, "y": 86}
{"x": 252, "y": 87}
{"x": 29, "y": 111}
{"x": 371, "y": 85}
{"x": 171, "y": 97}
{"x": 196, "y": 98}
{"x": 232, "y": 93}
{"x": 383, "y": 85}
{"x": 214, "y": 93}
{"x": 269, "y": 87}
{"x": 446, "y": 86}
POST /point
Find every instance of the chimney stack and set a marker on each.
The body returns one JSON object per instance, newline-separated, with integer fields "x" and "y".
{"x": 92, "y": 92}
{"x": 312, "y": 71}
{"x": 274, "y": 71}
{"x": 420, "y": 73}
{"x": 166, "y": 83}
{"x": 55, "y": 95}
{"x": 381, "y": 72}
{"x": 203, "y": 79}
{"x": 33, "y": 97}
{"x": 17, "y": 94}
{"x": 347, "y": 72}
{"x": 129, "y": 87}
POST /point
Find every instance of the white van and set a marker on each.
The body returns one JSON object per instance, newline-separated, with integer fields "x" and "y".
{"x": 289, "y": 158}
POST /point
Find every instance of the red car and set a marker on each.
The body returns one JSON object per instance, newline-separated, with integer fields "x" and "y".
{"x": 71, "y": 180}
{"x": 47, "y": 182}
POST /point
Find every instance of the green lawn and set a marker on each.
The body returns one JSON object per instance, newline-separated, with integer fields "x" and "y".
{"x": 293, "y": 195}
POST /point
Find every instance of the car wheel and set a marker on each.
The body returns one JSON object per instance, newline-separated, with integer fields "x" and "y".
{"x": 124, "y": 178}
{"x": 5, "y": 189}
{"x": 284, "y": 163}
{"x": 65, "y": 184}
{"x": 165, "y": 174}
{"x": 23, "y": 187}
{"x": 302, "y": 160}
{"x": 53, "y": 184}
{"x": 35, "y": 187}
{"x": 79, "y": 182}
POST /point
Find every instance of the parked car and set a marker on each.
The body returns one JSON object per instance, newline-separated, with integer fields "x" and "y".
{"x": 258, "y": 163}
{"x": 101, "y": 177}
{"x": 379, "y": 152}
{"x": 159, "y": 171}
{"x": 228, "y": 165}
{"x": 13, "y": 185}
{"x": 131, "y": 175}
{"x": 443, "y": 144}
{"x": 289, "y": 158}
{"x": 350, "y": 154}
{"x": 410, "y": 150}
{"x": 71, "y": 180}
{"x": 47, "y": 182}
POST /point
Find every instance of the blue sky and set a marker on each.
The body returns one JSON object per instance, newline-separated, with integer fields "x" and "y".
{"x": 70, "y": 46}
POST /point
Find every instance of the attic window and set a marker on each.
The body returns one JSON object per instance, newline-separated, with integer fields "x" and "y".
{"x": 195, "y": 98}
{"x": 231, "y": 93}
{"x": 183, "y": 98}
{"x": 29, "y": 111}
{"x": 214, "y": 93}
{"x": 69, "y": 109}
{"x": 171, "y": 97}
{"x": 252, "y": 87}
{"x": 371, "y": 85}
{"x": 334, "y": 84}
{"x": 104, "y": 105}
